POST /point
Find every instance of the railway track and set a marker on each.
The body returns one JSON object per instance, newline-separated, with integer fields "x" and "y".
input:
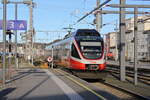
{"x": 144, "y": 78}
{"x": 122, "y": 93}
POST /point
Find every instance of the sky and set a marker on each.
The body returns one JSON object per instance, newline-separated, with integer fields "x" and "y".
{"x": 55, "y": 15}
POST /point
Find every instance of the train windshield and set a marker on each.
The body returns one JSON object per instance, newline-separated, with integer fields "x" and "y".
{"x": 91, "y": 50}
{"x": 90, "y": 43}
{"x": 86, "y": 32}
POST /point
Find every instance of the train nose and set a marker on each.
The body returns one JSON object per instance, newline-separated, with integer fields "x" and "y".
{"x": 95, "y": 66}
{"x": 92, "y": 67}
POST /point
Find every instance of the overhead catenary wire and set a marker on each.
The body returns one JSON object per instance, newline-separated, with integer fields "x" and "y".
{"x": 100, "y": 6}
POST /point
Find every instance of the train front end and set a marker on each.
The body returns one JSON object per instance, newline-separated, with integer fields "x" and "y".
{"x": 89, "y": 47}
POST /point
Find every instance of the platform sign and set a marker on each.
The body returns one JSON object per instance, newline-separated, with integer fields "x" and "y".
{"x": 15, "y": 25}
{"x": 20, "y": 25}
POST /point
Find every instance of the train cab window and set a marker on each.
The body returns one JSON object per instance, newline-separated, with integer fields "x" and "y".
{"x": 86, "y": 32}
{"x": 74, "y": 52}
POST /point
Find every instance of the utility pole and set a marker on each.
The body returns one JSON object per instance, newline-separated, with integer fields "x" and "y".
{"x": 122, "y": 5}
{"x": 4, "y": 39}
{"x": 52, "y": 65}
{"x": 116, "y": 46}
{"x": 9, "y": 33}
{"x": 98, "y": 18}
{"x": 31, "y": 30}
{"x": 149, "y": 47}
{"x": 122, "y": 41}
{"x": 16, "y": 15}
{"x": 15, "y": 32}
{"x": 122, "y": 25}
{"x": 135, "y": 44}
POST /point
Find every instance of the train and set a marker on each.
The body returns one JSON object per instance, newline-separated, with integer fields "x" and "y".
{"x": 81, "y": 51}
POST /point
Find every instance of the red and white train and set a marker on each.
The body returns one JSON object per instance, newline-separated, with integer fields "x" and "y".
{"x": 82, "y": 51}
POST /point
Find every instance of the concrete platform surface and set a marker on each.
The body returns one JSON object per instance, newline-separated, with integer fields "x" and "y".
{"x": 42, "y": 84}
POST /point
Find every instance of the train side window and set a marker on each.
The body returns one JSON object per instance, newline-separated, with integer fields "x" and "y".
{"x": 74, "y": 52}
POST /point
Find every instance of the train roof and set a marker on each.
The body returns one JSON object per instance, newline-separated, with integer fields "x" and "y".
{"x": 78, "y": 32}
{"x": 83, "y": 32}
{"x": 87, "y": 32}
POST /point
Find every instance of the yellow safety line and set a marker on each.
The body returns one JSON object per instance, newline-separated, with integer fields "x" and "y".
{"x": 85, "y": 87}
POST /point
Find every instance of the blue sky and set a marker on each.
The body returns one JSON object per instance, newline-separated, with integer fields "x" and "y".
{"x": 58, "y": 14}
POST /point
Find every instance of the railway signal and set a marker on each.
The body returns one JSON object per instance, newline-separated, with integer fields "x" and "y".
{"x": 49, "y": 59}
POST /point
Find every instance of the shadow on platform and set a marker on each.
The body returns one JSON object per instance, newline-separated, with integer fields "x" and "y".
{"x": 5, "y": 92}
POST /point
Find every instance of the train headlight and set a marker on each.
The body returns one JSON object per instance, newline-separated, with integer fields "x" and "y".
{"x": 84, "y": 53}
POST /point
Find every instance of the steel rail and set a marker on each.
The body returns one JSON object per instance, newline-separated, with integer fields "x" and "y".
{"x": 127, "y": 91}
{"x": 142, "y": 79}
{"x": 122, "y": 89}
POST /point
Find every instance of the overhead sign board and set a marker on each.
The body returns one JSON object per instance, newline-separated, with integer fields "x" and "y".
{"x": 14, "y": 25}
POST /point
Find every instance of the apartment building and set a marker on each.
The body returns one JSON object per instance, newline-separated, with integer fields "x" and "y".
{"x": 143, "y": 36}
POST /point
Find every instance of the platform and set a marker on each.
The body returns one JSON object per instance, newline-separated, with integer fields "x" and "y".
{"x": 43, "y": 84}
